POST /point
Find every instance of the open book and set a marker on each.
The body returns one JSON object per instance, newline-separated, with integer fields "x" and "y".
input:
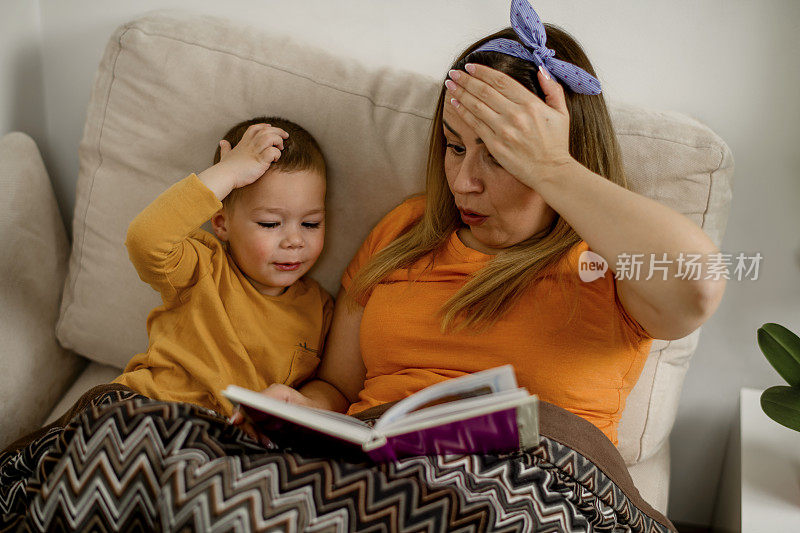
{"x": 484, "y": 412}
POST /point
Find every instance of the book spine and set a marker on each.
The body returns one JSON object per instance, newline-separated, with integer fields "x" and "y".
{"x": 495, "y": 432}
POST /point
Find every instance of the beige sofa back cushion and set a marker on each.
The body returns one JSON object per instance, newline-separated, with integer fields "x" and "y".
{"x": 169, "y": 86}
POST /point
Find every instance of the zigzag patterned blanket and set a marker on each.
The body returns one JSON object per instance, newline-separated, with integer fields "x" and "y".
{"x": 128, "y": 463}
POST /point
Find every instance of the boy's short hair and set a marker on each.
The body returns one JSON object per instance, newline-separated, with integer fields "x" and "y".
{"x": 300, "y": 151}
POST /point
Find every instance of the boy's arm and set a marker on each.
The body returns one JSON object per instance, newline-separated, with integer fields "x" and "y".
{"x": 157, "y": 240}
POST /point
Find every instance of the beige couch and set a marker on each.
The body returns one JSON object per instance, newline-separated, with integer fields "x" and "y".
{"x": 167, "y": 88}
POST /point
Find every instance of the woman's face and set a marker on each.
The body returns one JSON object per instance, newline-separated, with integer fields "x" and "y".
{"x": 512, "y": 212}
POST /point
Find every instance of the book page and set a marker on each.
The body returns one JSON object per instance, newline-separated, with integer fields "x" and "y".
{"x": 434, "y": 414}
{"x": 481, "y": 391}
{"x": 328, "y": 422}
{"x": 459, "y": 422}
{"x": 491, "y": 381}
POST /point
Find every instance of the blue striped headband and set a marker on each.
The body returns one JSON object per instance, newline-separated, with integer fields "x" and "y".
{"x": 530, "y": 30}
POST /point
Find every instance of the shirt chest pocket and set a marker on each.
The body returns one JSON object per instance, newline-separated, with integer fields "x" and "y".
{"x": 302, "y": 366}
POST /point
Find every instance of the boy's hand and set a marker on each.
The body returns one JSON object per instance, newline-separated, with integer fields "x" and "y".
{"x": 284, "y": 393}
{"x": 260, "y": 146}
{"x": 240, "y": 166}
{"x": 279, "y": 392}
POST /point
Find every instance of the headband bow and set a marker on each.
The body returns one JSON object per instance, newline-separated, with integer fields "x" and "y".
{"x": 530, "y": 30}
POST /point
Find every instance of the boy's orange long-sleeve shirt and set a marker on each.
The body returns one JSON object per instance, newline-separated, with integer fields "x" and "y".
{"x": 586, "y": 363}
{"x": 214, "y": 328}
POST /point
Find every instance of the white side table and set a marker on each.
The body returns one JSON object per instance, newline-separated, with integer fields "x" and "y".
{"x": 760, "y": 486}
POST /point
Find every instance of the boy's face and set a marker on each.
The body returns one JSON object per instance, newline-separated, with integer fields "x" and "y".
{"x": 277, "y": 228}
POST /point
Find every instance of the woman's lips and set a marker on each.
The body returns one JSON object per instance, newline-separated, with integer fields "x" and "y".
{"x": 287, "y": 266}
{"x": 472, "y": 219}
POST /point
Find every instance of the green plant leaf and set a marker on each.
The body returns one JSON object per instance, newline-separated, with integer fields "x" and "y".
{"x": 782, "y": 404}
{"x": 781, "y": 347}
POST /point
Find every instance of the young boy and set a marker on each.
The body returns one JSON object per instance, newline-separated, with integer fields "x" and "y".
{"x": 236, "y": 308}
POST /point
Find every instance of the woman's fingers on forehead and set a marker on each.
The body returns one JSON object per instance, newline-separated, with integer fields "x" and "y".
{"x": 469, "y": 118}
{"x": 499, "y": 81}
{"x": 477, "y": 107}
{"x": 466, "y": 84}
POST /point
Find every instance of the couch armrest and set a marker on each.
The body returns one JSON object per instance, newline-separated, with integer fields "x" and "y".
{"x": 36, "y": 370}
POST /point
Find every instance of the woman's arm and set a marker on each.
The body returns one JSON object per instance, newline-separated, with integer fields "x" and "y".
{"x": 530, "y": 139}
{"x": 616, "y": 221}
{"x": 341, "y": 374}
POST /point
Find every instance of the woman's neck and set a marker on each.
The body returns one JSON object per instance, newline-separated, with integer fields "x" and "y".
{"x": 468, "y": 239}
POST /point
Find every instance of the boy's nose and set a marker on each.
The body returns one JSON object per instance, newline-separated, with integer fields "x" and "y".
{"x": 293, "y": 240}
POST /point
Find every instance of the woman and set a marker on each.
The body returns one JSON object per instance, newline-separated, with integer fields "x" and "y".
{"x": 538, "y": 167}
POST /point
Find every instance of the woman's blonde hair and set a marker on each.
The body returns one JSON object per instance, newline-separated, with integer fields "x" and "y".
{"x": 493, "y": 290}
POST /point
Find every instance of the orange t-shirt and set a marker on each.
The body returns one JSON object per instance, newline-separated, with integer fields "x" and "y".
{"x": 587, "y": 365}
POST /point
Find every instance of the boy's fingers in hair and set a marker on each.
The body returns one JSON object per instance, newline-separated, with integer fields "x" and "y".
{"x": 272, "y": 154}
{"x": 280, "y": 132}
{"x": 282, "y": 135}
{"x": 252, "y": 129}
{"x": 274, "y": 133}
{"x": 266, "y": 138}
{"x": 224, "y": 148}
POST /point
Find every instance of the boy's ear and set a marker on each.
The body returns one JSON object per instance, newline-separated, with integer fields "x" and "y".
{"x": 219, "y": 223}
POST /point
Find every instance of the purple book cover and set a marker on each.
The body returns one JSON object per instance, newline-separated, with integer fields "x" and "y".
{"x": 494, "y": 432}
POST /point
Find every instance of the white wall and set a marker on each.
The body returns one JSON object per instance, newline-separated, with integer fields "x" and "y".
{"x": 21, "y": 98}
{"x": 731, "y": 63}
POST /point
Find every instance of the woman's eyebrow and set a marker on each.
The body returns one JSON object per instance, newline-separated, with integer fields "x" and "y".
{"x": 478, "y": 140}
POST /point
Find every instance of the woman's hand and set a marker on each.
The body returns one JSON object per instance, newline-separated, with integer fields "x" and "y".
{"x": 279, "y": 392}
{"x": 243, "y": 422}
{"x": 529, "y": 137}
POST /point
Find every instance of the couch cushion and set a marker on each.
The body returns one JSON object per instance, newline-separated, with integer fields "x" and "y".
{"x": 170, "y": 84}
{"x": 681, "y": 163}
{"x": 651, "y": 477}
{"x": 94, "y": 374}
{"x": 36, "y": 370}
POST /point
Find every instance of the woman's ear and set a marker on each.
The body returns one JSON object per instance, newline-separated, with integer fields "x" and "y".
{"x": 219, "y": 222}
